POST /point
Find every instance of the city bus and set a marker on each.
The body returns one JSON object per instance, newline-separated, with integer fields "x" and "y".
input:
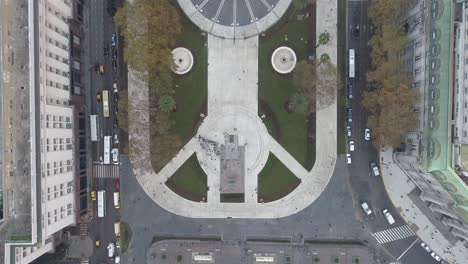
{"x": 107, "y": 140}
{"x": 351, "y": 63}
{"x": 101, "y": 203}
{"x": 105, "y": 103}
{"x": 94, "y": 129}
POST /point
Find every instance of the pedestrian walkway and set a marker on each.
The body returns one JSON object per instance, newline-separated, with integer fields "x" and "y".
{"x": 393, "y": 234}
{"x": 85, "y": 261}
{"x": 83, "y": 229}
{"x": 106, "y": 171}
{"x": 398, "y": 186}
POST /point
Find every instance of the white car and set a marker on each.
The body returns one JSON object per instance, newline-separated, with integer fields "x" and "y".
{"x": 115, "y": 88}
{"x": 366, "y": 208}
{"x": 388, "y": 217}
{"x": 117, "y": 260}
{"x": 367, "y": 134}
{"x": 115, "y": 155}
{"x": 116, "y": 139}
{"x": 426, "y": 247}
{"x": 348, "y": 130}
{"x": 374, "y": 169}
{"x": 435, "y": 256}
{"x": 110, "y": 250}
{"x": 348, "y": 158}
{"x": 351, "y": 145}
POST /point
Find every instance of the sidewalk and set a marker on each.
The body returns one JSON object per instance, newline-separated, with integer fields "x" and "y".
{"x": 398, "y": 186}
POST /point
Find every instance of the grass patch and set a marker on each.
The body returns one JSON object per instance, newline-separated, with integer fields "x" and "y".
{"x": 275, "y": 89}
{"x": 275, "y": 180}
{"x": 192, "y": 88}
{"x": 125, "y": 236}
{"x": 189, "y": 181}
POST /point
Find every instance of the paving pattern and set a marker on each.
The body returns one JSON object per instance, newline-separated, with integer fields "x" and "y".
{"x": 105, "y": 171}
{"x": 393, "y": 234}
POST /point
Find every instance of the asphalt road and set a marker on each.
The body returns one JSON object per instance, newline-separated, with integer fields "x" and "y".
{"x": 100, "y": 29}
{"x": 366, "y": 187}
{"x": 331, "y": 216}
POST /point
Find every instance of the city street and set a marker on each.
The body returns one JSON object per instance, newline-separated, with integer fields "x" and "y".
{"x": 365, "y": 186}
{"x": 100, "y": 31}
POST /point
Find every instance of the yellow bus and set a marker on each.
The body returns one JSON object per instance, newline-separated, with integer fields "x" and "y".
{"x": 105, "y": 103}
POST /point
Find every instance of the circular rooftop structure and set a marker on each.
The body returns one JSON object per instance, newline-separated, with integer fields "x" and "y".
{"x": 234, "y": 18}
{"x": 283, "y": 60}
{"x": 183, "y": 60}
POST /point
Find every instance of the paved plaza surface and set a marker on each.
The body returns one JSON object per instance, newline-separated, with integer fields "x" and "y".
{"x": 233, "y": 113}
{"x": 331, "y": 216}
{"x": 167, "y": 251}
{"x": 237, "y": 19}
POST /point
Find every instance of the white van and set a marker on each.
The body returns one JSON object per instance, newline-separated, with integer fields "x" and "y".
{"x": 117, "y": 200}
{"x": 388, "y": 217}
{"x": 110, "y": 250}
{"x": 117, "y": 229}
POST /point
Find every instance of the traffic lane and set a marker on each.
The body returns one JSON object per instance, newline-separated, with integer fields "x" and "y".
{"x": 104, "y": 226}
{"x": 417, "y": 254}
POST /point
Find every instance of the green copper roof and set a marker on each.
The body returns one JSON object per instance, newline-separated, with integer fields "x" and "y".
{"x": 438, "y": 156}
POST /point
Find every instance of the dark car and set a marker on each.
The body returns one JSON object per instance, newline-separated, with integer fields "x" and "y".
{"x": 350, "y": 90}
{"x": 114, "y": 65}
{"x": 116, "y": 108}
{"x": 117, "y": 184}
{"x": 116, "y": 124}
{"x": 106, "y": 50}
{"x": 114, "y": 53}
{"x": 116, "y": 98}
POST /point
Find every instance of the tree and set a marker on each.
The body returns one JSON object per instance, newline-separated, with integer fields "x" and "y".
{"x": 150, "y": 28}
{"x": 384, "y": 12}
{"x": 298, "y": 103}
{"x": 324, "y": 58}
{"x": 391, "y": 113}
{"x": 166, "y": 103}
{"x": 304, "y": 76}
{"x": 161, "y": 83}
{"x": 323, "y": 39}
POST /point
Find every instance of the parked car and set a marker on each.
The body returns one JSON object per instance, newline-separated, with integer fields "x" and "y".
{"x": 426, "y": 247}
{"x": 116, "y": 98}
{"x": 348, "y": 158}
{"x": 110, "y": 250}
{"x": 98, "y": 97}
{"x": 115, "y": 88}
{"x": 117, "y": 259}
{"x": 114, "y": 65}
{"x": 116, "y": 139}
{"x": 348, "y": 130}
{"x": 114, "y": 53}
{"x": 93, "y": 195}
{"x": 115, "y": 155}
{"x": 117, "y": 242}
{"x": 366, "y": 208}
{"x": 351, "y": 145}
{"x": 374, "y": 169}
{"x": 388, "y": 217}
{"x": 436, "y": 257}
{"x": 349, "y": 114}
{"x": 367, "y": 134}
{"x": 350, "y": 90}
{"x": 114, "y": 40}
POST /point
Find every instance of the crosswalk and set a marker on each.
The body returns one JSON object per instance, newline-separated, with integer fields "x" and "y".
{"x": 83, "y": 229}
{"x": 85, "y": 261}
{"x": 393, "y": 234}
{"x": 105, "y": 171}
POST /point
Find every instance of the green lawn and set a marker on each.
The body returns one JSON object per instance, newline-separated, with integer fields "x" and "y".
{"x": 191, "y": 89}
{"x": 189, "y": 181}
{"x": 126, "y": 236}
{"x": 276, "y": 180}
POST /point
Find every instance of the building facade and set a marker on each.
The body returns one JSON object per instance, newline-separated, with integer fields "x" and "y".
{"x": 55, "y": 111}
{"x": 433, "y": 154}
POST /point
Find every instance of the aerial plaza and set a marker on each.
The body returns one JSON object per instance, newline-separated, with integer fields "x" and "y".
{"x": 232, "y": 143}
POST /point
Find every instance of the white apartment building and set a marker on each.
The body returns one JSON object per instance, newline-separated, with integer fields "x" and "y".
{"x": 52, "y": 130}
